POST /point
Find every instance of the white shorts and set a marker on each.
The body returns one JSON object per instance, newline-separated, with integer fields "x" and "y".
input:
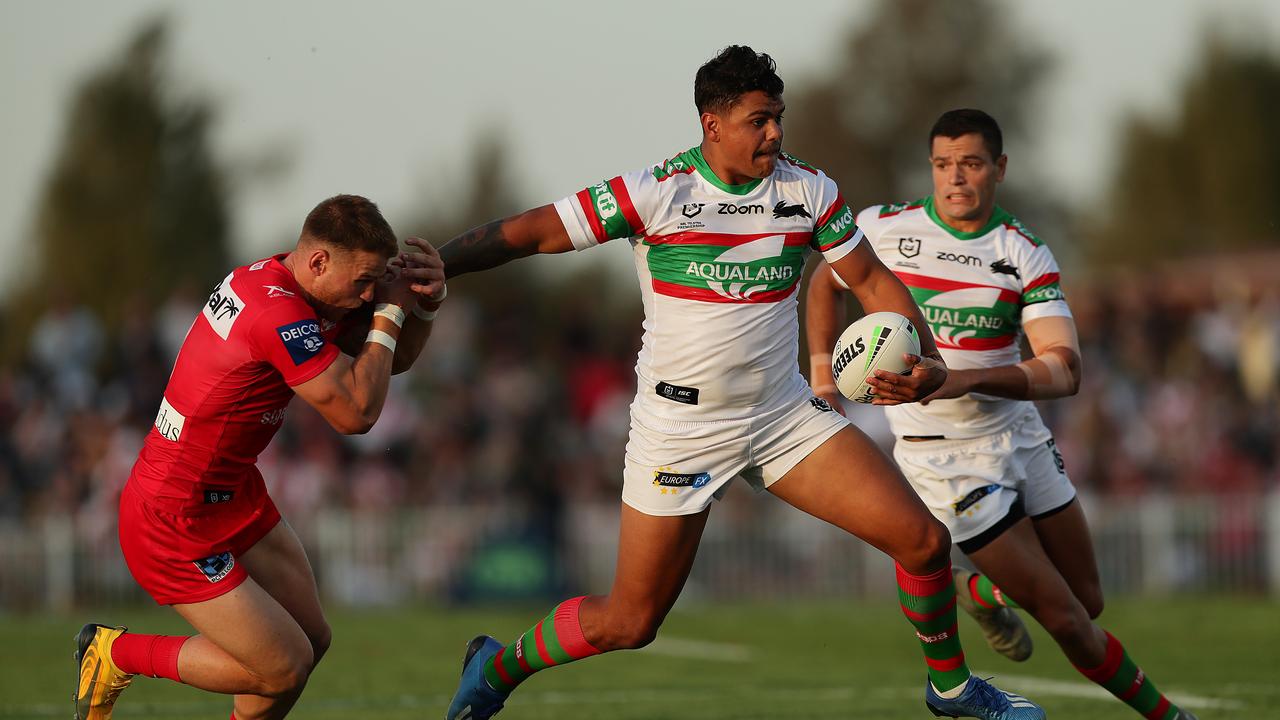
{"x": 679, "y": 467}
{"x": 971, "y": 485}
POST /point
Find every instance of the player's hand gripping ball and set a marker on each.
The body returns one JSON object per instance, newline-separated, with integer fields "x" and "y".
{"x": 874, "y": 342}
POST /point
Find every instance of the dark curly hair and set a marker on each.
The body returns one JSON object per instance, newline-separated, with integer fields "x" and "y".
{"x": 728, "y": 76}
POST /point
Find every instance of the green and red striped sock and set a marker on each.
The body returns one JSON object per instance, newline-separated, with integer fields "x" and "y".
{"x": 929, "y": 602}
{"x": 986, "y": 594}
{"x": 556, "y": 640}
{"x": 1124, "y": 679}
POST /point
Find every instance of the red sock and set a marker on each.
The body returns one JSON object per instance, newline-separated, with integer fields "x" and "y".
{"x": 151, "y": 655}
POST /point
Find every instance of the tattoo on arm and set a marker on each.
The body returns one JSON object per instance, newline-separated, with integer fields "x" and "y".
{"x": 480, "y": 248}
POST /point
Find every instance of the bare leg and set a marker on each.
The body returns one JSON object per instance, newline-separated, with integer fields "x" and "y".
{"x": 849, "y": 483}
{"x": 1016, "y": 562}
{"x": 655, "y": 555}
{"x": 261, "y": 640}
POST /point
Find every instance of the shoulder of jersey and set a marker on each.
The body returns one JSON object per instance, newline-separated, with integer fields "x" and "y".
{"x": 1015, "y": 226}
{"x": 795, "y": 164}
{"x": 263, "y": 284}
{"x": 673, "y": 167}
{"x": 892, "y": 210}
{"x": 870, "y": 219}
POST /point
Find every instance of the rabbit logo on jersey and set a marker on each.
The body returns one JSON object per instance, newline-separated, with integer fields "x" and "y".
{"x": 302, "y": 339}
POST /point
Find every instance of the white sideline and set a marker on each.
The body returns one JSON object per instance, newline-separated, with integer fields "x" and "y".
{"x": 1032, "y": 686}
{"x": 698, "y": 649}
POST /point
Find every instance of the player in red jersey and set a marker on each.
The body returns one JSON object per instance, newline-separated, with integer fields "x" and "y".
{"x": 198, "y": 530}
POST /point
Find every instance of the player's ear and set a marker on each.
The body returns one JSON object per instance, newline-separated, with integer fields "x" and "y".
{"x": 1001, "y": 162}
{"x": 318, "y": 260}
{"x": 710, "y": 126}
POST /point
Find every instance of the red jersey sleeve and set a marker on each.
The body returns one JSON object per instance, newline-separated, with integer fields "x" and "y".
{"x": 287, "y": 336}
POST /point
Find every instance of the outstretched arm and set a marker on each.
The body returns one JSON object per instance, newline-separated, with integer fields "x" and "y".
{"x": 535, "y": 231}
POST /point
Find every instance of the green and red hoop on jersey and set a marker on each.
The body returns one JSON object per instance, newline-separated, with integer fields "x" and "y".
{"x": 715, "y": 267}
{"x": 972, "y": 327}
{"x": 609, "y": 210}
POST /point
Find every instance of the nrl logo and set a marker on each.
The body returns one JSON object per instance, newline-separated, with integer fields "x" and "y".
{"x": 691, "y": 209}
{"x": 909, "y": 247}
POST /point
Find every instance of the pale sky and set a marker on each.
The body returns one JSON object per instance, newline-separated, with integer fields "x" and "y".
{"x": 384, "y": 99}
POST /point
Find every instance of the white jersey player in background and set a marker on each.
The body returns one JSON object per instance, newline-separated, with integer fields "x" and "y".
{"x": 719, "y": 234}
{"x": 976, "y": 450}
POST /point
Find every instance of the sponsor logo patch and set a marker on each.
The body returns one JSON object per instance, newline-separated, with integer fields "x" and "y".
{"x": 1057, "y": 457}
{"x": 217, "y": 567}
{"x": 169, "y": 422}
{"x": 663, "y": 478}
{"x": 302, "y": 339}
{"x": 222, "y": 308}
{"x": 821, "y": 404}
{"x": 736, "y": 209}
{"x": 973, "y": 498}
{"x": 675, "y": 393}
{"x": 275, "y": 291}
{"x": 217, "y": 497}
{"x": 961, "y": 259}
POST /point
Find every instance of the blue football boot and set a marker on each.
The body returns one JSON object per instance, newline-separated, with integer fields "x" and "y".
{"x": 981, "y": 699}
{"x": 475, "y": 700}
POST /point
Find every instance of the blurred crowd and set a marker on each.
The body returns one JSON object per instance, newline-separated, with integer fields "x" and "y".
{"x": 524, "y": 405}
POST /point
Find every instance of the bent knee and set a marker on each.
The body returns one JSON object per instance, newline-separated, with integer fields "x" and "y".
{"x": 286, "y": 682}
{"x": 1093, "y": 603}
{"x": 1064, "y": 623}
{"x": 929, "y": 550}
{"x": 631, "y": 632}
{"x": 320, "y": 643}
{"x": 288, "y": 676}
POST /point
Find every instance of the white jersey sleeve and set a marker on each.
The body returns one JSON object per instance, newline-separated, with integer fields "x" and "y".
{"x": 835, "y": 234}
{"x": 613, "y": 209}
{"x": 1041, "y": 287}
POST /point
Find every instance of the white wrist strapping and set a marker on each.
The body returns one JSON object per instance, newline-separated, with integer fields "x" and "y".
{"x": 819, "y": 359}
{"x": 430, "y": 315}
{"x": 394, "y": 313}
{"x": 382, "y": 338}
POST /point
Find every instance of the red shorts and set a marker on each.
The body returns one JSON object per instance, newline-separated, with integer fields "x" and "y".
{"x": 189, "y": 557}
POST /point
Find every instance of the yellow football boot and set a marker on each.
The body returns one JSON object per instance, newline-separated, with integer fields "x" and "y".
{"x": 101, "y": 682}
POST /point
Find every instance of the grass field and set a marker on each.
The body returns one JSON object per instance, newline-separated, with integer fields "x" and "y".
{"x": 756, "y": 661}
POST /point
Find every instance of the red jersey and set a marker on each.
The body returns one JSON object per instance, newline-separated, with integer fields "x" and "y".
{"x": 254, "y": 339}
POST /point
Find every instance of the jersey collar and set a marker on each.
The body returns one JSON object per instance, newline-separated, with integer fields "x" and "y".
{"x": 700, "y": 163}
{"x": 998, "y": 218}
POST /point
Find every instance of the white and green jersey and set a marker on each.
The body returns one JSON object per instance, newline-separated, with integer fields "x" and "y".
{"x": 719, "y": 266}
{"x": 975, "y": 290}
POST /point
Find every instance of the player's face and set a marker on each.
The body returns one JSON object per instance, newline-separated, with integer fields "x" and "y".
{"x": 750, "y": 136}
{"x": 348, "y": 278}
{"x": 964, "y": 180}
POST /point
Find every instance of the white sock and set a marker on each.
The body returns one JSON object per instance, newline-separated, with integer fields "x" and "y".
{"x": 954, "y": 692}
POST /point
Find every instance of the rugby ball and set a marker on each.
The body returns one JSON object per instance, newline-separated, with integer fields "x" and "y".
{"x": 874, "y": 342}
